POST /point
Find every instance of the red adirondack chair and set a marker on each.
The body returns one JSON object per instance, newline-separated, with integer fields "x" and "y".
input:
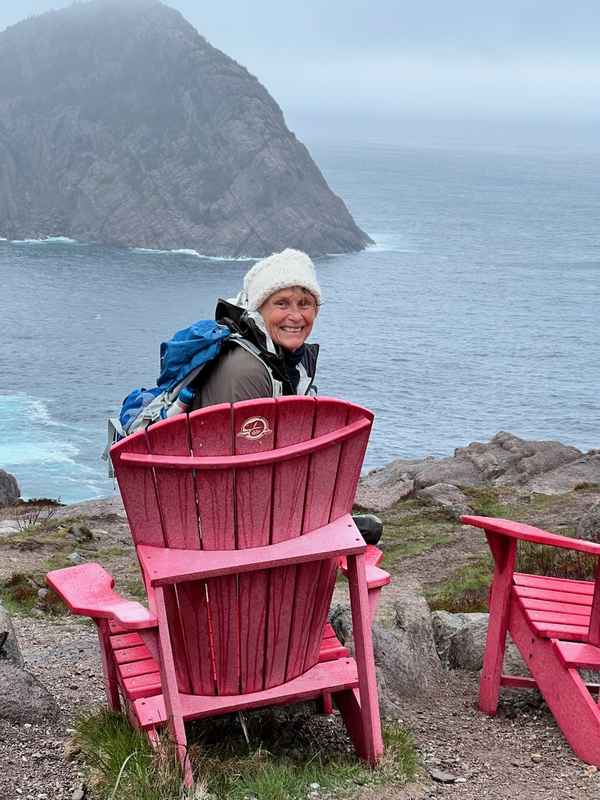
{"x": 240, "y": 516}
{"x": 554, "y": 622}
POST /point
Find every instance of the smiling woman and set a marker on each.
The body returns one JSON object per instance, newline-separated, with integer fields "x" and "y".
{"x": 271, "y": 319}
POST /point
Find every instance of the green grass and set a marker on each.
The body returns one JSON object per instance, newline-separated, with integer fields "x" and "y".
{"x": 486, "y": 501}
{"x": 281, "y": 761}
{"x": 412, "y": 534}
{"x": 467, "y": 589}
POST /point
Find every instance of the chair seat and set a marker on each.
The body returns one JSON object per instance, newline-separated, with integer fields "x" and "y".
{"x": 138, "y": 672}
{"x": 555, "y": 608}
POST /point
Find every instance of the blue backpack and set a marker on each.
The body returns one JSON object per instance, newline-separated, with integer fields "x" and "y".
{"x": 182, "y": 359}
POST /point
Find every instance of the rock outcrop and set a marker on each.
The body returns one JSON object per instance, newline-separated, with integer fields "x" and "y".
{"x": 121, "y": 124}
{"x": 9, "y": 489}
{"x": 22, "y": 697}
{"x": 506, "y": 460}
{"x": 406, "y": 659}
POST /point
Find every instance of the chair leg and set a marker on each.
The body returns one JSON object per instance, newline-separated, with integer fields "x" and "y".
{"x": 504, "y": 551}
{"x": 171, "y": 689}
{"x": 325, "y": 704}
{"x": 111, "y": 684}
{"x": 366, "y": 706}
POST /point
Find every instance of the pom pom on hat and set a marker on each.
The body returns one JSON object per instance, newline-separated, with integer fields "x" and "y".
{"x": 280, "y": 271}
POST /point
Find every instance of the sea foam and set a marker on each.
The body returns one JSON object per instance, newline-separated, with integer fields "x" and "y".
{"x": 194, "y": 253}
{"x": 46, "y": 240}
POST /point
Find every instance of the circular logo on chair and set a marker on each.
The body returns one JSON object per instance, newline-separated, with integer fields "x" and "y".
{"x": 254, "y": 428}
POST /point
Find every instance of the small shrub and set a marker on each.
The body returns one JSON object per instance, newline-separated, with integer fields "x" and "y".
{"x": 20, "y": 594}
{"x": 544, "y": 560}
{"x": 32, "y": 513}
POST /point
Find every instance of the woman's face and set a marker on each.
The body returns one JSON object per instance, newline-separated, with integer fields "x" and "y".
{"x": 289, "y": 315}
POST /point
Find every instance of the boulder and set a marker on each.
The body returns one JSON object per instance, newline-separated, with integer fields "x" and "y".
{"x": 383, "y": 488}
{"x": 584, "y": 469}
{"x": 22, "y": 697}
{"x": 508, "y": 460}
{"x": 457, "y": 470}
{"x": 460, "y": 642}
{"x": 588, "y": 526}
{"x": 9, "y": 489}
{"x": 448, "y": 497}
{"x": 444, "y": 626}
{"x": 405, "y": 654}
{"x": 9, "y": 646}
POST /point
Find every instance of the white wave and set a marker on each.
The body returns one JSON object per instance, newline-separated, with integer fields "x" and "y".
{"x": 49, "y": 452}
{"x": 32, "y": 409}
{"x": 184, "y": 252}
{"x": 2, "y": 239}
{"x": 389, "y": 244}
{"x": 195, "y": 253}
{"x": 227, "y": 258}
{"x": 45, "y": 240}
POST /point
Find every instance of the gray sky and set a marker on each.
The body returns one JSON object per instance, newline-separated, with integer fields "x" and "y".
{"x": 393, "y": 60}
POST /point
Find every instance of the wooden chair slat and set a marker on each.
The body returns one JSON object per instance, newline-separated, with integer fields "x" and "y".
{"x": 350, "y": 461}
{"x": 322, "y": 476}
{"x": 211, "y": 434}
{"x": 557, "y": 631}
{"x": 176, "y": 493}
{"x": 295, "y": 419}
{"x": 196, "y": 632}
{"x": 350, "y": 465}
{"x": 138, "y": 492}
{"x": 321, "y": 603}
{"x": 312, "y": 581}
{"x": 549, "y": 583}
{"x": 584, "y": 600}
{"x": 580, "y": 656}
{"x": 179, "y": 643}
{"x": 556, "y": 618}
{"x": 535, "y": 604}
{"x": 225, "y": 633}
{"x": 255, "y": 429}
{"x": 144, "y": 667}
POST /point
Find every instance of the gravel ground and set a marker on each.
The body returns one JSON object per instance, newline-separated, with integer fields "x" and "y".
{"x": 519, "y": 753}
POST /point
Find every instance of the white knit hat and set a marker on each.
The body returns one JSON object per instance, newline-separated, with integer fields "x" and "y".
{"x": 279, "y": 271}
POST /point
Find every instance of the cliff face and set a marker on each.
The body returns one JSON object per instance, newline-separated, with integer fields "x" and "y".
{"x": 120, "y": 124}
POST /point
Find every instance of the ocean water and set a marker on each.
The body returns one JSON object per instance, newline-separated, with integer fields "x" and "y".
{"x": 475, "y": 311}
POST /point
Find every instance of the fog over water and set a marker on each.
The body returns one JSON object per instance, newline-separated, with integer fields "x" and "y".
{"x": 520, "y": 71}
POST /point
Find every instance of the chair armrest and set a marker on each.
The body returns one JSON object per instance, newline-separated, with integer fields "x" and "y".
{"x": 527, "y": 533}
{"x": 376, "y": 578}
{"x": 88, "y": 590}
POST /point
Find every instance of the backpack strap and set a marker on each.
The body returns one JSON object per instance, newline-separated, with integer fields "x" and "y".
{"x": 250, "y": 347}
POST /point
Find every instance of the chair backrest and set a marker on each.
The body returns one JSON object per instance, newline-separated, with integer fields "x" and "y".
{"x": 204, "y": 485}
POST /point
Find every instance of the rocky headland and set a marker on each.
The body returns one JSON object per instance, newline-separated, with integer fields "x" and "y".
{"x": 120, "y": 124}
{"x": 427, "y": 660}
